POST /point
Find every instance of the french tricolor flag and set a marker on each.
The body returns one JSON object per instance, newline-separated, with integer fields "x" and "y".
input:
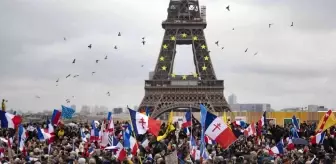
{"x": 22, "y": 137}
{"x": 290, "y": 144}
{"x": 42, "y": 135}
{"x": 134, "y": 146}
{"x": 142, "y": 123}
{"x": 55, "y": 118}
{"x": 318, "y": 138}
{"x": 51, "y": 131}
{"x": 277, "y": 149}
{"x": 121, "y": 153}
{"x": 9, "y": 120}
{"x": 94, "y": 132}
{"x": 217, "y": 130}
{"x": 250, "y": 130}
{"x": 186, "y": 131}
{"x": 240, "y": 123}
{"x": 187, "y": 120}
{"x": 193, "y": 149}
{"x": 145, "y": 144}
{"x": 83, "y": 137}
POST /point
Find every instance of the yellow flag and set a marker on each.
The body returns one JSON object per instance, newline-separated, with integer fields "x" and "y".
{"x": 170, "y": 127}
{"x": 326, "y": 122}
{"x": 225, "y": 118}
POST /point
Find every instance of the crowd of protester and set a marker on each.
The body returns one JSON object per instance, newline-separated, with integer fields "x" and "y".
{"x": 68, "y": 147}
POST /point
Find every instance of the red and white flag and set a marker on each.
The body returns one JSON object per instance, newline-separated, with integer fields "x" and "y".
{"x": 217, "y": 130}
{"x": 142, "y": 123}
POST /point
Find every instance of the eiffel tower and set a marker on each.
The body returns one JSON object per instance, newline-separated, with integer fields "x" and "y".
{"x": 167, "y": 91}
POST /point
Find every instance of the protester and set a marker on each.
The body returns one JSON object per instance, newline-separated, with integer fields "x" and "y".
{"x": 66, "y": 144}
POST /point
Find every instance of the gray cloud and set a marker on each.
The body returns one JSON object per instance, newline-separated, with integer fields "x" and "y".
{"x": 294, "y": 66}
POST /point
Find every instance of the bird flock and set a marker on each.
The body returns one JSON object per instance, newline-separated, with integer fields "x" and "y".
{"x": 90, "y": 46}
{"x": 256, "y": 53}
{"x": 143, "y": 41}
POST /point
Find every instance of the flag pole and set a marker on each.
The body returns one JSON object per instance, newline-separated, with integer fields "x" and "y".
{"x": 191, "y": 120}
{"x": 133, "y": 134}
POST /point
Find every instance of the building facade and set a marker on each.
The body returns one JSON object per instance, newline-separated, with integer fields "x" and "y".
{"x": 232, "y": 99}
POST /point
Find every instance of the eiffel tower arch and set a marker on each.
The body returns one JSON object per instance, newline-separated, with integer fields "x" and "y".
{"x": 167, "y": 91}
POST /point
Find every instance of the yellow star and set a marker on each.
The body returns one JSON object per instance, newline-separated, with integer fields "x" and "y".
{"x": 173, "y": 38}
{"x": 204, "y": 68}
{"x": 184, "y": 77}
{"x": 165, "y": 46}
{"x": 173, "y": 75}
{"x": 195, "y": 38}
{"x": 164, "y": 68}
{"x": 161, "y": 58}
{"x": 184, "y": 35}
{"x": 195, "y": 74}
{"x": 203, "y": 46}
{"x": 206, "y": 58}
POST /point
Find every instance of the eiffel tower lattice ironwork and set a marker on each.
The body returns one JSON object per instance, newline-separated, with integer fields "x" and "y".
{"x": 166, "y": 91}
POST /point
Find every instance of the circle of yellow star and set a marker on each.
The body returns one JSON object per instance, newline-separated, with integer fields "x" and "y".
{"x": 164, "y": 68}
{"x": 203, "y": 46}
{"x": 204, "y": 68}
{"x": 184, "y": 35}
{"x": 195, "y": 38}
{"x": 195, "y": 74}
{"x": 161, "y": 58}
{"x": 173, "y": 38}
{"x": 206, "y": 58}
{"x": 184, "y": 77}
{"x": 172, "y": 75}
{"x": 165, "y": 46}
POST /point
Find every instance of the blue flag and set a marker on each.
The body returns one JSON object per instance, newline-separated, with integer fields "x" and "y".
{"x": 67, "y": 112}
{"x": 203, "y": 117}
{"x": 127, "y": 136}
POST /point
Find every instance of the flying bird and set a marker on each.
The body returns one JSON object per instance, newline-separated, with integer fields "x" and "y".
{"x": 68, "y": 76}
{"x": 97, "y": 61}
{"x": 232, "y": 28}
{"x": 67, "y": 100}
{"x": 90, "y": 46}
{"x": 143, "y": 38}
{"x": 74, "y": 61}
{"x": 143, "y": 42}
{"x": 269, "y": 25}
{"x": 142, "y": 65}
{"x": 119, "y": 34}
{"x": 115, "y": 47}
{"x": 217, "y": 43}
{"x": 228, "y": 8}
{"x": 93, "y": 73}
{"x": 37, "y": 97}
{"x": 105, "y": 57}
{"x": 246, "y": 49}
{"x": 255, "y": 53}
{"x": 292, "y": 24}
{"x": 64, "y": 38}
{"x": 57, "y": 80}
{"x": 108, "y": 93}
{"x": 76, "y": 76}
{"x": 222, "y": 47}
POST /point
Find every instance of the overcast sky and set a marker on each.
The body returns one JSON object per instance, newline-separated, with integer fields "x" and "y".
{"x": 295, "y": 66}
